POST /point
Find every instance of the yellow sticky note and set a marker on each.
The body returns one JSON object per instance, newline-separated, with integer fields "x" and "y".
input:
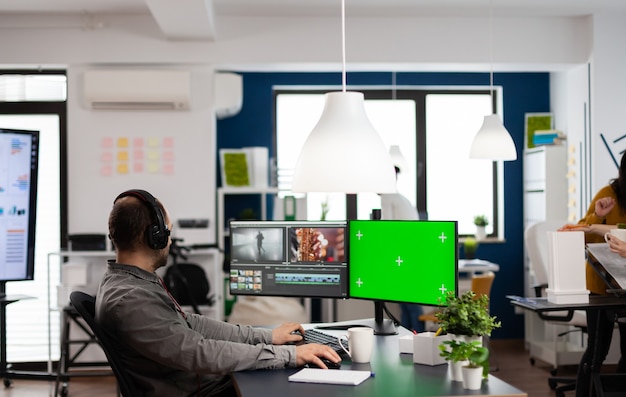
{"x": 122, "y": 155}
{"x": 122, "y": 168}
{"x": 153, "y": 142}
{"x": 153, "y": 155}
{"x": 122, "y": 142}
{"x": 153, "y": 168}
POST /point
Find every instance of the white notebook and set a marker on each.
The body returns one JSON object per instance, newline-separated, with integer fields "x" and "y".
{"x": 332, "y": 376}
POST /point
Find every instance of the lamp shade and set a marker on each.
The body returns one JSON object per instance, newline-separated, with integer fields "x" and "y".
{"x": 397, "y": 159}
{"x": 493, "y": 141}
{"x": 343, "y": 152}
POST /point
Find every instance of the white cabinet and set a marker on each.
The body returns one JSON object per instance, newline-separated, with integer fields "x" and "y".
{"x": 545, "y": 192}
{"x": 545, "y": 184}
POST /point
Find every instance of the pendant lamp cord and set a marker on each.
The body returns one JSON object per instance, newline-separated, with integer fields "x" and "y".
{"x": 343, "y": 44}
{"x": 491, "y": 53}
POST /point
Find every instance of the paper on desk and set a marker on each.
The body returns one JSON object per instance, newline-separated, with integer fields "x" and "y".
{"x": 330, "y": 376}
{"x": 614, "y": 264}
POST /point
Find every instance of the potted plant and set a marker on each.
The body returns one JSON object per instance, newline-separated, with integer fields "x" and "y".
{"x": 470, "y": 245}
{"x": 466, "y": 315}
{"x": 471, "y": 356}
{"x": 481, "y": 222}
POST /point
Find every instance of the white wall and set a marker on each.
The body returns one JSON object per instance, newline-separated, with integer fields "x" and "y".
{"x": 608, "y": 94}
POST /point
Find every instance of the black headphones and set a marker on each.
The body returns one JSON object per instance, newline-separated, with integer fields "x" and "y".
{"x": 157, "y": 234}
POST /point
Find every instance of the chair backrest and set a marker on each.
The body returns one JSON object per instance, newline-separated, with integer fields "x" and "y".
{"x": 536, "y": 242}
{"x": 85, "y": 305}
{"x": 481, "y": 283}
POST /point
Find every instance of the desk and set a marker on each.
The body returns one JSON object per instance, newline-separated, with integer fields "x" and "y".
{"x": 477, "y": 266}
{"x": 541, "y": 306}
{"x": 396, "y": 375}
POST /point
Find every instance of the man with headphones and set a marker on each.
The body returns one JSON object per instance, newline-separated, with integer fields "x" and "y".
{"x": 167, "y": 351}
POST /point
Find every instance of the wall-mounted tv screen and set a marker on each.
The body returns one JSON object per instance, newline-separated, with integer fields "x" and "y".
{"x": 19, "y": 151}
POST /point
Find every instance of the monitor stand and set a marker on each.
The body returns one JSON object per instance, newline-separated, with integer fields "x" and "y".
{"x": 382, "y": 326}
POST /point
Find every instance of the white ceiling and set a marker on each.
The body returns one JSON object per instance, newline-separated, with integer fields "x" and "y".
{"x": 195, "y": 19}
{"x": 325, "y": 7}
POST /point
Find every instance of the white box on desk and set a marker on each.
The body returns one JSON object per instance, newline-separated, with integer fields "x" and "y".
{"x": 566, "y": 268}
{"x": 426, "y": 348}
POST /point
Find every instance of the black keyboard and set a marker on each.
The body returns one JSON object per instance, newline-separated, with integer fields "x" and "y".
{"x": 315, "y": 336}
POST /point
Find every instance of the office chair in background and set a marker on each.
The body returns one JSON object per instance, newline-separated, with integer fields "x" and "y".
{"x": 85, "y": 305}
{"x": 536, "y": 243}
{"x": 187, "y": 282}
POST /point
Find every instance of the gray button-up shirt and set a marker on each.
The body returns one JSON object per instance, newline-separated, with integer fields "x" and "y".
{"x": 169, "y": 355}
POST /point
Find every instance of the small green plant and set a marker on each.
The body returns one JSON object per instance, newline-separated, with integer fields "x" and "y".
{"x": 325, "y": 209}
{"x": 467, "y": 314}
{"x": 481, "y": 220}
{"x": 470, "y": 245}
{"x": 473, "y": 352}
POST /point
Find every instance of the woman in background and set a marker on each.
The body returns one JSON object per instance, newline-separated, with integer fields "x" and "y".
{"x": 607, "y": 208}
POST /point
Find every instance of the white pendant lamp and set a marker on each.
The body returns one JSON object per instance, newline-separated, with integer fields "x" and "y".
{"x": 343, "y": 152}
{"x": 493, "y": 141}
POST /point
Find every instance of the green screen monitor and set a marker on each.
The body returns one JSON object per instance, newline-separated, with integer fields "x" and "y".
{"x": 402, "y": 261}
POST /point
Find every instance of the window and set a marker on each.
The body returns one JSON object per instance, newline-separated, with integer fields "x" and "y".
{"x": 37, "y": 102}
{"x": 434, "y": 129}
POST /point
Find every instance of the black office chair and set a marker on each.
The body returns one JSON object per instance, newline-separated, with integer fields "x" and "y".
{"x": 189, "y": 285}
{"x": 85, "y": 305}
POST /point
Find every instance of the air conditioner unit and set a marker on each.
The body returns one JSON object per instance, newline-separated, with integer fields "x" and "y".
{"x": 137, "y": 89}
{"x": 228, "y": 94}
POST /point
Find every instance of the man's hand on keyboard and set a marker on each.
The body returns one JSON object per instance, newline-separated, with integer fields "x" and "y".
{"x": 313, "y": 353}
{"x": 287, "y": 333}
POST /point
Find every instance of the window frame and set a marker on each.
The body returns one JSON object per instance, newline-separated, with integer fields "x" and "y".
{"x": 418, "y": 95}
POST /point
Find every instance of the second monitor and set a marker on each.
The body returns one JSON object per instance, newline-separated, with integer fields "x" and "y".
{"x": 402, "y": 261}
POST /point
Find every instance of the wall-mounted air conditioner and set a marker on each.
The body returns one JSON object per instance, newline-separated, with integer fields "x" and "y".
{"x": 228, "y": 93}
{"x": 137, "y": 89}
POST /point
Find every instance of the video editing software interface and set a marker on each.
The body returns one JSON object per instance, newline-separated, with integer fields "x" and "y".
{"x": 288, "y": 258}
{"x": 403, "y": 261}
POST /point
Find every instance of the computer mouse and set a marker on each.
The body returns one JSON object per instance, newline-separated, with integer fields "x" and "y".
{"x": 327, "y": 362}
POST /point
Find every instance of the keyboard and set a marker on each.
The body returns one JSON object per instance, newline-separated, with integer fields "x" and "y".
{"x": 315, "y": 336}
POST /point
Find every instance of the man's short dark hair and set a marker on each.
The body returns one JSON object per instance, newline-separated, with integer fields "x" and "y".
{"x": 128, "y": 222}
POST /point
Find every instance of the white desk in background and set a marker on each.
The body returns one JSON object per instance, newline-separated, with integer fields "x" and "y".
{"x": 477, "y": 266}
{"x": 468, "y": 268}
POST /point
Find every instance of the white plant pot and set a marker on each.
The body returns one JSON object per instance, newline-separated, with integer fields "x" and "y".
{"x": 455, "y": 370}
{"x": 472, "y": 377}
{"x": 481, "y": 233}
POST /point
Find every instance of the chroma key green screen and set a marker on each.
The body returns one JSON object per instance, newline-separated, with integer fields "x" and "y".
{"x": 403, "y": 261}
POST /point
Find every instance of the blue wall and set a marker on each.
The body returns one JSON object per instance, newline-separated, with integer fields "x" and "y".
{"x": 523, "y": 93}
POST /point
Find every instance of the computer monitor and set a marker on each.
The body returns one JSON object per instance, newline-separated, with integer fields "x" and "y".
{"x": 288, "y": 258}
{"x": 402, "y": 261}
{"x": 19, "y": 151}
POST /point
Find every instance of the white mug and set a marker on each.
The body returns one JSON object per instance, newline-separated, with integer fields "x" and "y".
{"x": 619, "y": 233}
{"x": 360, "y": 343}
